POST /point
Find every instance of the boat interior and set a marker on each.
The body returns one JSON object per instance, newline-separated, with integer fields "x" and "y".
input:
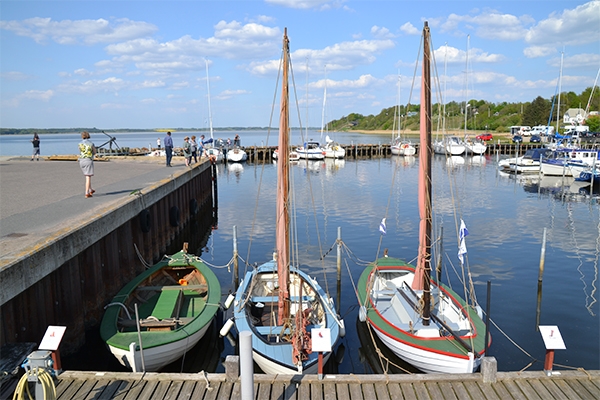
{"x": 400, "y": 305}
{"x": 166, "y": 300}
{"x": 263, "y": 307}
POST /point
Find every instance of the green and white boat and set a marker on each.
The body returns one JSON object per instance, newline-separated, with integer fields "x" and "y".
{"x": 177, "y": 300}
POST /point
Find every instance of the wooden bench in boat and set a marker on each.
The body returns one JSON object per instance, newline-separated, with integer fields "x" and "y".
{"x": 174, "y": 287}
{"x": 276, "y": 330}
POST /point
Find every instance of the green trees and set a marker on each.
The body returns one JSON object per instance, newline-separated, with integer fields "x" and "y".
{"x": 594, "y": 123}
{"x": 537, "y": 113}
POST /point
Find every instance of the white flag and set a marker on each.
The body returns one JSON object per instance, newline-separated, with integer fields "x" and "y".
{"x": 382, "y": 226}
{"x": 462, "y": 233}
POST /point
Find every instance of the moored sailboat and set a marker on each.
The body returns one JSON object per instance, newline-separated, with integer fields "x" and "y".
{"x": 422, "y": 321}
{"x": 276, "y": 301}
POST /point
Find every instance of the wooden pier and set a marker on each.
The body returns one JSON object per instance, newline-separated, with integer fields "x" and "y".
{"x": 160, "y": 386}
{"x": 364, "y": 151}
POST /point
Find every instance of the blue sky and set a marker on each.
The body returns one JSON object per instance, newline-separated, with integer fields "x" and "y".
{"x": 141, "y": 64}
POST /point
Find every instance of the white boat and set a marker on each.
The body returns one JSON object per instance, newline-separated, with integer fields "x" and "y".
{"x": 567, "y": 161}
{"x": 527, "y": 163}
{"x": 236, "y": 153}
{"x": 277, "y": 302}
{"x": 400, "y": 146}
{"x": 450, "y": 145}
{"x": 293, "y": 156}
{"x": 311, "y": 151}
{"x": 211, "y": 152}
{"x": 333, "y": 149}
{"x": 422, "y": 321}
{"x": 475, "y": 147}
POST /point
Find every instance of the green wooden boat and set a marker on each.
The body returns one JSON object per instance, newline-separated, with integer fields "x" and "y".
{"x": 177, "y": 299}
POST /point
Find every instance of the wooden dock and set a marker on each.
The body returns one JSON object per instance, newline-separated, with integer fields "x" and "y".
{"x": 161, "y": 386}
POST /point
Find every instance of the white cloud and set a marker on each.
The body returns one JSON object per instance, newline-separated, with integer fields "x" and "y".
{"x": 228, "y": 94}
{"x": 365, "y": 81}
{"x": 305, "y": 4}
{"x": 409, "y": 29}
{"x": 38, "y": 95}
{"x": 80, "y": 31}
{"x": 571, "y": 27}
{"x": 381, "y": 33}
{"x": 577, "y": 61}
{"x": 114, "y": 106}
{"x": 538, "y": 51}
{"x": 15, "y": 76}
{"x": 454, "y": 55}
{"x": 82, "y": 72}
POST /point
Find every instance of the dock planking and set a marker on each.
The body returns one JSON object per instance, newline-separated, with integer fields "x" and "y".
{"x": 568, "y": 385}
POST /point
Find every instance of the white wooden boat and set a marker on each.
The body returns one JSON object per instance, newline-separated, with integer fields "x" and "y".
{"x": 450, "y": 145}
{"x": 333, "y": 149}
{"x": 422, "y": 321}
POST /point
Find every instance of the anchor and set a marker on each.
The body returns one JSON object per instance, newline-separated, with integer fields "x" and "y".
{"x": 110, "y": 143}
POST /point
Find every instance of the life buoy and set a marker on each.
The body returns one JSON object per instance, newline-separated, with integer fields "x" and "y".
{"x": 145, "y": 221}
{"x": 405, "y": 146}
{"x": 174, "y": 216}
{"x": 193, "y": 207}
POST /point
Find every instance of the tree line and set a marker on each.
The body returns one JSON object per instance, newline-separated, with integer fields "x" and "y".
{"x": 481, "y": 114}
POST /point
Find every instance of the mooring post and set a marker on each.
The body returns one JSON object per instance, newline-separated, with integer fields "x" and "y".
{"x": 440, "y": 256}
{"x": 339, "y": 268}
{"x": 487, "y": 317}
{"x": 214, "y": 179}
{"x": 236, "y": 275}
{"x": 540, "y": 277}
{"x": 137, "y": 321}
{"x": 246, "y": 366}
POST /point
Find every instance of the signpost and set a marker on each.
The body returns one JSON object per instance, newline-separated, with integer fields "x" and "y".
{"x": 321, "y": 342}
{"x": 553, "y": 341}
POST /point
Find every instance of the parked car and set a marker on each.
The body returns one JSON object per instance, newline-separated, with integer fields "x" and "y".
{"x": 535, "y": 139}
{"x": 485, "y": 136}
{"x": 517, "y": 139}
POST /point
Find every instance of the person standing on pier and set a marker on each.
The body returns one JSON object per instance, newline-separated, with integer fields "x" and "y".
{"x": 187, "y": 151}
{"x": 168, "y": 142}
{"x": 158, "y": 143}
{"x": 36, "y": 146}
{"x": 87, "y": 150}
{"x": 194, "y": 146}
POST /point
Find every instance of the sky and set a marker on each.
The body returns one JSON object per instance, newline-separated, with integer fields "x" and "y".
{"x": 143, "y": 64}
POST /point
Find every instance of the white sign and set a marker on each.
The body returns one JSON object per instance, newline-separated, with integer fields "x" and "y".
{"x": 552, "y": 338}
{"x": 52, "y": 338}
{"x": 321, "y": 340}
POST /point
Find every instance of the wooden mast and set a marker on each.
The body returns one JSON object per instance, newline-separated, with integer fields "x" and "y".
{"x": 423, "y": 272}
{"x": 283, "y": 186}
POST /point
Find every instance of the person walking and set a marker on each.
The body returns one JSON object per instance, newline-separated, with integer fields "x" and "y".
{"x": 187, "y": 151}
{"x": 168, "y": 142}
{"x": 87, "y": 150}
{"x": 36, "y": 146}
{"x": 194, "y": 146}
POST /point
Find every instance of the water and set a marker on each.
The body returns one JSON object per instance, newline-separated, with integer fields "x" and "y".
{"x": 505, "y": 218}
{"x": 64, "y": 144}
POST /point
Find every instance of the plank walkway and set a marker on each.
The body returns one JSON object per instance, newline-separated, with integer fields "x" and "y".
{"x": 583, "y": 385}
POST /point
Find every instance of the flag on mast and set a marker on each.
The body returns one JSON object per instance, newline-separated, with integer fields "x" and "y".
{"x": 382, "y": 226}
{"x": 462, "y": 233}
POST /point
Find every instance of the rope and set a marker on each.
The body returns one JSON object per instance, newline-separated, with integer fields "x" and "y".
{"x": 141, "y": 257}
{"x": 329, "y": 251}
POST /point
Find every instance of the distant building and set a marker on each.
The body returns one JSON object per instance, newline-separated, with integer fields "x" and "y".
{"x": 574, "y": 116}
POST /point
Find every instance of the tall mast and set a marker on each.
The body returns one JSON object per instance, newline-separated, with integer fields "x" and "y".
{"x": 324, "y": 100}
{"x": 423, "y": 273}
{"x": 283, "y": 186}
{"x": 559, "y": 90}
{"x": 208, "y": 88}
{"x": 467, "y": 86}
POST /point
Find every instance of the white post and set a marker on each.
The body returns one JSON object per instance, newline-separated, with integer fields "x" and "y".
{"x": 246, "y": 366}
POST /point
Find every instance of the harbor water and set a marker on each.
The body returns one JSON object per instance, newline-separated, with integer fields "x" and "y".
{"x": 505, "y": 216}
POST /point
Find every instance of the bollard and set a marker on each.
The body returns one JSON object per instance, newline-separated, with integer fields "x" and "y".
{"x": 232, "y": 368}
{"x": 246, "y": 366}
{"x": 489, "y": 368}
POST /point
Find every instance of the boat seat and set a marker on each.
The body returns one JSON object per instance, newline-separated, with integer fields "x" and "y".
{"x": 271, "y": 299}
{"x": 168, "y": 304}
{"x": 174, "y": 287}
{"x": 275, "y": 330}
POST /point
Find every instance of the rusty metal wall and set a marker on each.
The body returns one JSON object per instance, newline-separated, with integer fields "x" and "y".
{"x": 75, "y": 294}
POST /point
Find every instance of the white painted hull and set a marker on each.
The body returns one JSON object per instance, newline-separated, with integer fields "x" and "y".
{"x": 273, "y": 368}
{"x": 555, "y": 169}
{"x": 310, "y": 155}
{"x": 337, "y": 152}
{"x": 427, "y": 361}
{"x": 475, "y": 148}
{"x": 214, "y": 153}
{"x": 157, "y": 357}
{"x": 449, "y": 149}
{"x": 237, "y": 155}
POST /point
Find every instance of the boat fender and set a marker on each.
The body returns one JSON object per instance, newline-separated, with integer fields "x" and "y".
{"x": 479, "y": 311}
{"x": 145, "y": 220}
{"x": 193, "y": 206}
{"x": 231, "y": 339}
{"x": 362, "y": 314}
{"x": 174, "y": 216}
{"x": 342, "y": 328}
{"x": 229, "y": 300}
{"x": 226, "y": 327}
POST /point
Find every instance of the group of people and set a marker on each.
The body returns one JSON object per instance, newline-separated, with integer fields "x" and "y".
{"x": 87, "y": 151}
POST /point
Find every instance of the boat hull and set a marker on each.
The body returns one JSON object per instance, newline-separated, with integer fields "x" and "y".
{"x": 237, "y": 155}
{"x": 157, "y": 357}
{"x": 421, "y": 346}
{"x": 277, "y": 357}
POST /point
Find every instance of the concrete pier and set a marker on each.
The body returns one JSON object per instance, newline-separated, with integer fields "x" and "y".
{"x": 62, "y": 255}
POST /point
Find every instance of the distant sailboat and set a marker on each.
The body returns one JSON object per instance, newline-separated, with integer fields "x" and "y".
{"x": 210, "y": 151}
